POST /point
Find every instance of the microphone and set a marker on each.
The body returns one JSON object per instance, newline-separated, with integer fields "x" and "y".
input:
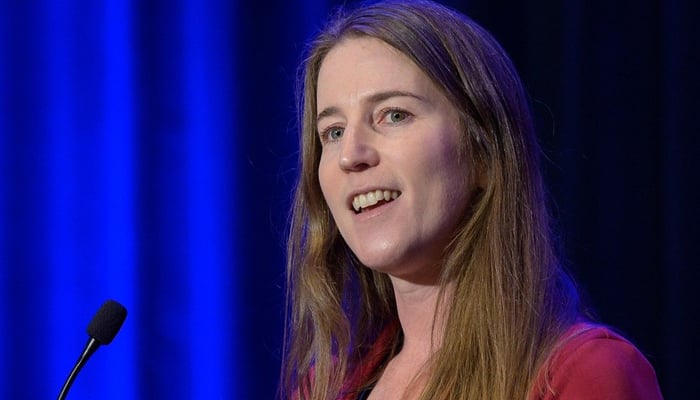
{"x": 102, "y": 330}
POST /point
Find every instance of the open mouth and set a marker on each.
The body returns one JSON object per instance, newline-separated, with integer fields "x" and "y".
{"x": 373, "y": 199}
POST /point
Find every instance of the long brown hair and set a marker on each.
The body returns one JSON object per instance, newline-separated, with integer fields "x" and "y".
{"x": 511, "y": 299}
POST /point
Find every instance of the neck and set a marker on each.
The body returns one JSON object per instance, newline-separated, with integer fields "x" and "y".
{"x": 416, "y": 306}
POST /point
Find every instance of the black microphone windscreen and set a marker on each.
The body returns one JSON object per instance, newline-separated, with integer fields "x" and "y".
{"x": 107, "y": 322}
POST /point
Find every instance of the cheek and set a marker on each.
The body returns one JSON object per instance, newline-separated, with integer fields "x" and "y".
{"x": 325, "y": 179}
{"x": 452, "y": 176}
{"x": 460, "y": 192}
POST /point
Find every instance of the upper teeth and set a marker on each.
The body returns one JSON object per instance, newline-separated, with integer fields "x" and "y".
{"x": 372, "y": 198}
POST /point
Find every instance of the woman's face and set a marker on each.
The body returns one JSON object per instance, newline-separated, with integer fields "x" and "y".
{"x": 390, "y": 169}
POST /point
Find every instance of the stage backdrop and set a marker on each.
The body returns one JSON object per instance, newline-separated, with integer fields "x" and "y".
{"x": 148, "y": 152}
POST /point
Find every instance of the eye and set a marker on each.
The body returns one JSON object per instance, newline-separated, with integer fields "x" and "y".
{"x": 394, "y": 116}
{"x": 332, "y": 134}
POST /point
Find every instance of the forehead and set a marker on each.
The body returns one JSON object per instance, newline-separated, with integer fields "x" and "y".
{"x": 359, "y": 66}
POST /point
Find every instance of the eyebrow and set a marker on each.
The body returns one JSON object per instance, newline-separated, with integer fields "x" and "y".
{"x": 372, "y": 99}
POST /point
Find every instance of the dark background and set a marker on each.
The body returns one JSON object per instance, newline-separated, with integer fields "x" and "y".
{"x": 148, "y": 152}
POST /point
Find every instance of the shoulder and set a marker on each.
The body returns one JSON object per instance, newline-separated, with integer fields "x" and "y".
{"x": 593, "y": 362}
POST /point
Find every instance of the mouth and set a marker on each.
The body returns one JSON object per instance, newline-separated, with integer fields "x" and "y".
{"x": 373, "y": 199}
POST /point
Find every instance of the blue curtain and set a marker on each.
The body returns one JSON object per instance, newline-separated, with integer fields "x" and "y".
{"x": 143, "y": 146}
{"x": 148, "y": 150}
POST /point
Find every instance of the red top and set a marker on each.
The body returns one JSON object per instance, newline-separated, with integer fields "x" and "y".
{"x": 594, "y": 363}
{"x": 590, "y": 363}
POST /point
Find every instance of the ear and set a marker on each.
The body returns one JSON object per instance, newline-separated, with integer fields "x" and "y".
{"x": 481, "y": 184}
{"x": 480, "y": 172}
{"x": 475, "y": 153}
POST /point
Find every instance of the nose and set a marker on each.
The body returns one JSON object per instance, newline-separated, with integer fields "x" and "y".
{"x": 358, "y": 151}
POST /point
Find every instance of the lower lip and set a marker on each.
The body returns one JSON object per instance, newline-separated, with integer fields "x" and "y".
{"x": 368, "y": 214}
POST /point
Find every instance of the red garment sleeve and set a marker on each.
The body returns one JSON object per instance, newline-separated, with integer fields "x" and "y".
{"x": 598, "y": 364}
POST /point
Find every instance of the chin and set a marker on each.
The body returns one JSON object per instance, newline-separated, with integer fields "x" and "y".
{"x": 378, "y": 265}
{"x": 406, "y": 266}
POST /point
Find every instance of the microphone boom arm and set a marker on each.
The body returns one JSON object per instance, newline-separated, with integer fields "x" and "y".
{"x": 90, "y": 348}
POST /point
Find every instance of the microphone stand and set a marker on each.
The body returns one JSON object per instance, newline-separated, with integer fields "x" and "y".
{"x": 90, "y": 348}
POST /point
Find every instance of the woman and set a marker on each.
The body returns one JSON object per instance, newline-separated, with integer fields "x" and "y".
{"x": 421, "y": 265}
